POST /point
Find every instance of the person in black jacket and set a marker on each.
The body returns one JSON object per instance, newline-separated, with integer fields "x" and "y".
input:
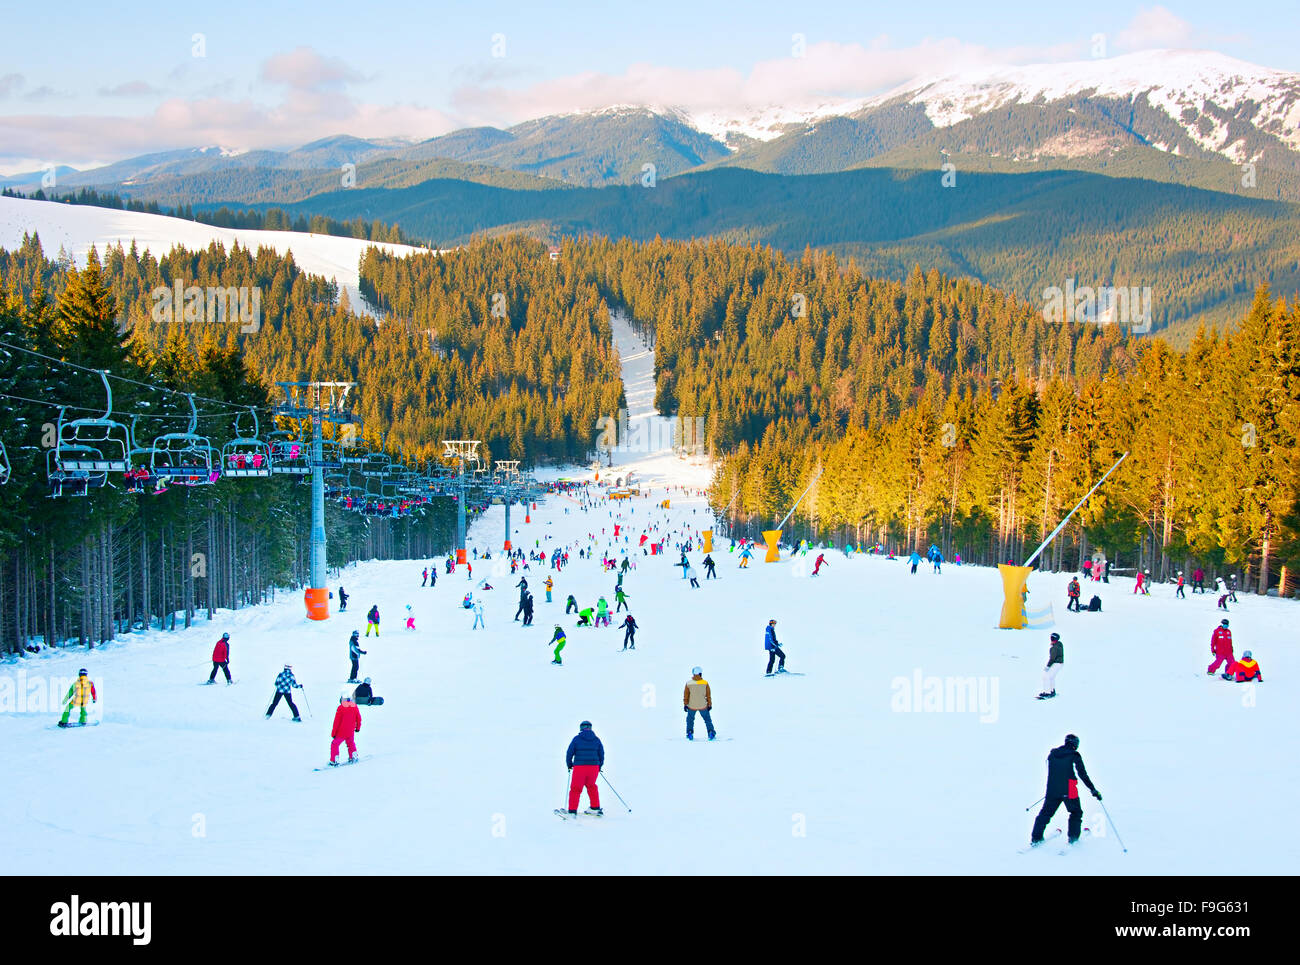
{"x": 628, "y": 626}
{"x": 584, "y": 759}
{"x": 1063, "y": 763}
{"x": 355, "y": 652}
{"x": 365, "y": 696}
{"x": 343, "y": 600}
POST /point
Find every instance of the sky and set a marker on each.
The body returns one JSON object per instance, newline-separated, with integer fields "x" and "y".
{"x": 90, "y": 84}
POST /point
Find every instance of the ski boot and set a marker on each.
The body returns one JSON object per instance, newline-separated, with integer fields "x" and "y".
{"x": 598, "y": 812}
{"x": 713, "y": 736}
{"x": 690, "y": 737}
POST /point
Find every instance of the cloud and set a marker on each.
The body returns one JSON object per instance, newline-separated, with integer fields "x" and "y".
{"x": 10, "y": 84}
{"x": 303, "y": 69}
{"x": 130, "y": 88}
{"x": 1156, "y": 27}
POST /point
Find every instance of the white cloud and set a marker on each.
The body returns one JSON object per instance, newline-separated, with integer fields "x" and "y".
{"x": 1156, "y": 27}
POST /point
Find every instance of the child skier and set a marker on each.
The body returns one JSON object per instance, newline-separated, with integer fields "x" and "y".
{"x": 82, "y": 689}
{"x": 697, "y": 698}
{"x": 355, "y": 652}
{"x": 347, "y": 722}
{"x": 584, "y": 759}
{"x": 284, "y": 685}
{"x": 221, "y": 659}
{"x": 690, "y": 575}
{"x": 1063, "y": 788}
{"x": 1055, "y": 660}
{"x": 559, "y": 639}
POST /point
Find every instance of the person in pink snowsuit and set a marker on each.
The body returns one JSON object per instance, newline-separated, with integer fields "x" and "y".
{"x": 347, "y": 722}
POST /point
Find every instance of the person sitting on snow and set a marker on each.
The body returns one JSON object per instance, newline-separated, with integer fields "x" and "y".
{"x": 365, "y": 696}
{"x": 1244, "y": 670}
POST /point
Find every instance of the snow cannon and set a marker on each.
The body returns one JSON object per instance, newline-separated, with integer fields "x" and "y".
{"x": 1013, "y": 596}
{"x": 707, "y": 536}
{"x": 772, "y": 537}
{"x": 318, "y": 603}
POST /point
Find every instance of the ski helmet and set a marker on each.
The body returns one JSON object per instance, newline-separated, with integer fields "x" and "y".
{"x": 585, "y": 725}
{"x": 696, "y": 671}
{"x": 288, "y": 666}
{"x": 356, "y": 633}
{"x": 1056, "y": 636}
{"x": 1246, "y": 655}
{"x": 1072, "y": 742}
{"x": 367, "y": 680}
{"x": 225, "y": 636}
{"x": 345, "y": 695}
{"x": 1223, "y": 623}
{"x": 81, "y": 672}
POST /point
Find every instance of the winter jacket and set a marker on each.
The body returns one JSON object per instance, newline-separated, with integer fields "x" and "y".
{"x": 1074, "y": 589}
{"x": 363, "y": 693}
{"x": 914, "y": 558}
{"x": 1056, "y": 654}
{"x": 697, "y": 695}
{"x": 373, "y": 616}
{"x": 769, "y": 638}
{"x": 629, "y": 623}
{"x": 347, "y": 720}
{"x": 586, "y": 748}
{"x": 285, "y": 682}
{"x": 1221, "y": 642}
{"x": 221, "y": 652}
{"x": 81, "y": 691}
{"x": 354, "y": 647}
{"x": 1094, "y": 604}
{"x": 602, "y": 608}
{"x": 1247, "y": 670}
{"x": 1062, "y": 765}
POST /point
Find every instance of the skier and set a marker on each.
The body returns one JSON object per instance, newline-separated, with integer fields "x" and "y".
{"x": 1220, "y": 647}
{"x": 528, "y": 610}
{"x": 559, "y": 639}
{"x": 284, "y": 686}
{"x": 1141, "y": 579}
{"x": 478, "y": 616}
{"x": 773, "y": 647}
{"x": 343, "y": 600}
{"x": 1244, "y": 670}
{"x": 82, "y": 689}
{"x": 221, "y": 659}
{"x": 915, "y": 560}
{"x": 1179, "y": 592}
{"x": 819, "y": 563}
{"x": 584, "y": 617}
{"x": 1073, "y": 591}
{"x": 1062, "y": 788}
{"x": 697, "y": 698}
{"x": 364, "y": 695}
{"x": 709, "y": 568}
{"x": 372, "y": 620}
{"x": 690, "y": 575}
{"x": 570, "y": 605}
{"x": 550, "y": 585}
{"x": 410, "y": 618}
{"x": 424, "y": 576}
{"x": 347, "y": 722}
{"x": 584, "y": 759}
{"x": 628, "y": 626}
{"x": 1055, "y": 660}
{"x": 355, "y": 652}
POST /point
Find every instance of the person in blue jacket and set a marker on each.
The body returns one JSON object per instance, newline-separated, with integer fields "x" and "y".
{"x": 915, "y": 560}
{"x": 773, "y": 648}
{"x": 584, "y": 758}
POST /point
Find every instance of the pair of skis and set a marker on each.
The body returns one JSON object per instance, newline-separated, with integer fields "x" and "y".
{"x": 1056, "y": 833}
{"x": 566, "y": 816}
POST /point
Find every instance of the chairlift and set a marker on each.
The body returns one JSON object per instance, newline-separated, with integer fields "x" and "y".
{"x": 289, "y": 456}
{"x": 246, "y": 456}
{"x": 5, "y": 469}
{"x": 68, "y": 481}
{"x": 185, "y": 458}
{"x": 330, "y": 456}
{"x": 93, "y": 445}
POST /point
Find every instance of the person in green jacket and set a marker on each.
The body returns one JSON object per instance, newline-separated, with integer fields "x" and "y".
{"x": 620, "y": 601}
{"x": 559, "y": 639}
{"x": 584, "y": 616}
{"x": 602, "y": 612}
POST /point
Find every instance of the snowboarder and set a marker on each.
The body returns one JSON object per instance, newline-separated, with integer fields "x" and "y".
{"x": 343, "y": 600}
{"x": 522, "y": 587}
{"x": 347, "y": 722}
{"x": 697, "y": 698}
{"x": 1055, "y": 660}
{"x": 1220, "y": 647}
{"x": 628, "y": 626}
{"x": 372, "y": 620}
{"x": 620, "y": 599}
{"x": 773, "y": 647}
{"x": 570, "y": 605}
{"x": 221, "y": 659}
{"x": 365, "y": 695}
{"x": 559, "y": 639}
{"x": 1073, "y": 591}
{"x": 1244, "y": 670}
{"x": 410, "y": 619}
{"x": 584, "y": 617}
{"x": 745, "y": 555}
{"x": 528, "y": 610}
{"x": 82, "y": 689}
{"x": 710, "y": 568}
{"x": 584, "y": 759}
{"x": 1063, "y": 788}
{"x": 819, "y": 563}
{"x": 355, "y": 652}
{"x": 284, "y": 686}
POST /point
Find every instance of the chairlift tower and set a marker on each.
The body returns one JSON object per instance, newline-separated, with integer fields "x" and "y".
{"x": 318, "y": 402}
{"x": 461, "y": 451}
{"x": 508, "y": 470}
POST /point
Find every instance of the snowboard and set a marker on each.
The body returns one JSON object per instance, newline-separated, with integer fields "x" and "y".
{"x": 785, "y": 673}
{"x": 72, "y": 723}
{"x": 356, "y": 760}
{"x": 701, "y": 740}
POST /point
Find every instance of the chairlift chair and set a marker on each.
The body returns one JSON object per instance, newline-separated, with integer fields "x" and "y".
{"x": 246, "y": 456}
{"x": 185, "y": 458}
{"x": 289, "y": 456}
{"x": 94, "y": 445}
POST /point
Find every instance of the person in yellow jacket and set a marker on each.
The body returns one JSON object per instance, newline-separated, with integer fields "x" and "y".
{"x": 550, "y": 585}
{"x": 82, "y": 689}
{"x": 697, "y": 698}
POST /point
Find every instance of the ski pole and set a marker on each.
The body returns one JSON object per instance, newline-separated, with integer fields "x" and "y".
{"x": 1112, "y": 825}
{"x": 306, "y": 701}
{"x": 1035, "y": 803}
{"x": 616, "y": 794}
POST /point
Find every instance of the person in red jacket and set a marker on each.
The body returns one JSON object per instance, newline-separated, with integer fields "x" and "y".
{"x": 1244, "y": 670}
{"x": 347, "y": 721}
{"x": 1221, "y": 647}
{"x": 221, "y": 659}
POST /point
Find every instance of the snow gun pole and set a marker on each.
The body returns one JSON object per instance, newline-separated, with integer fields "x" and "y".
{"x": 781, "y": 525}
{"x": 1061, "y": 525}
{"x": 1112, "y": 824}
{"x": 620, "y": 796}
